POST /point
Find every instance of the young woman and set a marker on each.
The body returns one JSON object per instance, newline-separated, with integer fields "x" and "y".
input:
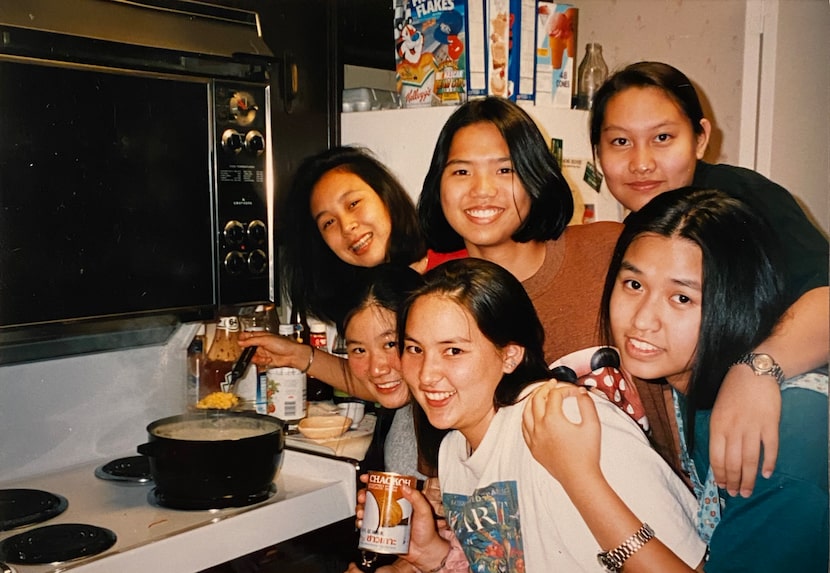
{"x": 649, "y": 134}
{"x": 694, "y": 285}
{"x": 374, "y": 360}
{"x": 343, "y": 212}
{"x": 472, "y": 352}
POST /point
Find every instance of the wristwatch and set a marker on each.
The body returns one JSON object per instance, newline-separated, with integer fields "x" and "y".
{"x": 612, "y": 561}
{"x": 762, "y": 364}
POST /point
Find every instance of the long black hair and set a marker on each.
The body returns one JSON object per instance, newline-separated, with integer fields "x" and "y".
{"x": 552, "y": 203}
{"x": 743, "y": 288}
{"x": 313, "y": 276}
{"x": 503, "y": 312}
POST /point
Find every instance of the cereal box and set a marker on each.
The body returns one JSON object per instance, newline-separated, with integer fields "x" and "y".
{"x": 511, "y": 26}
{"x": 556, "y": 26}
{"x": 430, "y": 52}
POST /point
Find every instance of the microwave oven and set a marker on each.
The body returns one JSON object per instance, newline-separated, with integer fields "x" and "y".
{"x": 136, "y": 184}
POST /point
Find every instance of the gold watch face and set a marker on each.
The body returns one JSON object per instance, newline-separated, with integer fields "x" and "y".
{"x": 762, "y": 362}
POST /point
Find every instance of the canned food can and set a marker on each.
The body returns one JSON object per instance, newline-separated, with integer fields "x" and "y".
{"x": 386, "y": 514}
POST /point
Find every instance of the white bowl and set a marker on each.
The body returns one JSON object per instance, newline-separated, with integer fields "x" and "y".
{"x": 324, "y": 427}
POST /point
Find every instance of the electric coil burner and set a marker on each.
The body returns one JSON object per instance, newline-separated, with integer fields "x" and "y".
{"x": 20, "y": 507}
{"x": 161, "y": 499}
{"x": 129, "y": 470}
{"x": 56, "y": 543}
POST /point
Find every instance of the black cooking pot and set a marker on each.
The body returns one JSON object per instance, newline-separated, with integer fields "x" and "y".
{"x": 214, "y": 458}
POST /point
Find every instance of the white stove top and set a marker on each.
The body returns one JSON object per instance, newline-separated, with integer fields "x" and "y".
{"x": 312, "y": 491}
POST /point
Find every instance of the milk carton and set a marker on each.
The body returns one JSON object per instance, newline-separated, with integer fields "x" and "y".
{"x": 556, "y": 26}
{"x": 430, "y": 52}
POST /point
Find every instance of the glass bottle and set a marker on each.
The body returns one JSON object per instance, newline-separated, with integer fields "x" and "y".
{"x": 286, "y": 388}
{"x": 195, "y": 358}
{"x": 591, "y": 74}
{"x": 220, "y": 358}
{"x": 338, "y": 348}
{"x": 317, "y": 337}
{"x": 252, "y": 388}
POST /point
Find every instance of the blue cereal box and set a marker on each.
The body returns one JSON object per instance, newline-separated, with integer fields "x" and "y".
{"x": 430, "y": 52}
{"x": 556, "y": 27}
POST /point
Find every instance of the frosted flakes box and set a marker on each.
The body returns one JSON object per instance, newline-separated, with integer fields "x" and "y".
{"x": 430, "y": 52}
{"x": 556, "y": 26}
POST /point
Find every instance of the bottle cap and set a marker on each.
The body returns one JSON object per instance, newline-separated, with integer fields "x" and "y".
{"x": 315, "y": 325}
{"x": 286, "y": 329}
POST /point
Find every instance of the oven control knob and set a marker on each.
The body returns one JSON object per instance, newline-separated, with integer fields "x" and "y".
{"x": 235, "y": 263}
{"x": 254, "y": 142}
{"x": 257, "y": 232}
{"x": 257, "y": 262}
{"x": 234, "y": 233}
{"x": 232, "y": 141}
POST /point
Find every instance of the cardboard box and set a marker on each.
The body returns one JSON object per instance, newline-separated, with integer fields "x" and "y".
{"x": 556, "y": 29}
{"x": 511, "y": 43}
{"x": 430, "y": 52}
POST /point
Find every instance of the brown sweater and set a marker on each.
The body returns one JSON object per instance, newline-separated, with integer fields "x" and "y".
{"x": 567, "y": 292}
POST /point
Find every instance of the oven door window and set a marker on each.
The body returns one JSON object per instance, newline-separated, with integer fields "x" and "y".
{"x": 105, "y": 194}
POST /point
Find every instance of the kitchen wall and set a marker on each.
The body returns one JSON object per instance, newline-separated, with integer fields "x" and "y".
{"x": 59, "y": 413}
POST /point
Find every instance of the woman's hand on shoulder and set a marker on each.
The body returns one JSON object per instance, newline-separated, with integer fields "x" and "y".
{"x": 562, "y": 429}
{"x": 746, "y": 416}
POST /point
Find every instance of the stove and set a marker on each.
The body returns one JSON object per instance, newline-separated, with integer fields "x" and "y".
{"x": 310, "y": 491}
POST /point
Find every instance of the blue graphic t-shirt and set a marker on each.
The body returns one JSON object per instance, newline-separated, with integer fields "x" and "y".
{"x": 488, "y": 527}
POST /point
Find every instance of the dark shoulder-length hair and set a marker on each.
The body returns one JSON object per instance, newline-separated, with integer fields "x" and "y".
{"x": 672, "y": 81}
{"x": 743, "y": 288}
{"x": 503, "y": 312}
{"x": 551, "y": 200}
{"x": 312, "y": 274}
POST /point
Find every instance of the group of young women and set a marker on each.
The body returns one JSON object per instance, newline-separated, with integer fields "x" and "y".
{"x": 716, "y": 299}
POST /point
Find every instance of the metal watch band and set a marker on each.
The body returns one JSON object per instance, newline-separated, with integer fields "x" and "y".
{"x": 762, "y": 364}
{"x": 613, "y": 560}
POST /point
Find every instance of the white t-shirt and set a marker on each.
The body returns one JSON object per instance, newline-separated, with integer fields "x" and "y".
{"x": 504, "y": 506}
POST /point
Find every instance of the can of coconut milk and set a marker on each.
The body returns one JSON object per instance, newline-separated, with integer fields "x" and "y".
{"x": 386, "y": 514}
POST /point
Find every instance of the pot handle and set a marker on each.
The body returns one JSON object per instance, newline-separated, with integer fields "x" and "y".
{"x": 149, "y": 449}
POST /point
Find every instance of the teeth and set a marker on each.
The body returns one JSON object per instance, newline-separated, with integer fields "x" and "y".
{"x": 641, "y": 345}
{"x": 364, "y": 240}
{"x": 438, "y": 396}
{"x": 483, "y": 212}
{"x": 388, "y": 385}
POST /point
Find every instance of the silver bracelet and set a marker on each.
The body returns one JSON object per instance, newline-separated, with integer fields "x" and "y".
{"x": 310, "y": 360}
{"x": 613, "y": 560}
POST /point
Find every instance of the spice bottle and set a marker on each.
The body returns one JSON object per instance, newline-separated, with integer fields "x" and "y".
{"x": 591, "y": 74}
{"x": 286, "y": 388}
{"x": 220, "y": 358}
{"x": 317, "y": 338}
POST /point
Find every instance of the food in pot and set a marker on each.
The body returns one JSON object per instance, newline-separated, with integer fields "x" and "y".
{"x": 218, "y": 401}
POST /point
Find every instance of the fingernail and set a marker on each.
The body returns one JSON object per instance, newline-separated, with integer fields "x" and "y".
{"x": 406, "y": 489}
{"x": 767, "y": 474}
{"x": 732, "y": 491}
{"x": 746, "y": 493}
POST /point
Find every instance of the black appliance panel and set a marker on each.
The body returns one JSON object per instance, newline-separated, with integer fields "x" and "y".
{"x": 105, "y": 188}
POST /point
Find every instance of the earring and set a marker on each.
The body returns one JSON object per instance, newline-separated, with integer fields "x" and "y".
{"x": 511, "y": 364}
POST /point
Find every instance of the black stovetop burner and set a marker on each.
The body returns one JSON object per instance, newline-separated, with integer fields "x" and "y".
{"x": 129, "y": 470}
{"x": 55, "y": 543}
{"x": 159, "y": 498}
{"x": 19, "y": 507}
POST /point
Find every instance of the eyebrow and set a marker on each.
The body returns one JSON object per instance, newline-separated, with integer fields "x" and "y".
{"x": 688, "y": 283}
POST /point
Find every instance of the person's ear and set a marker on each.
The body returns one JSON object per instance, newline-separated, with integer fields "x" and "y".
{"x": 703, "y": 138}
{"x": 512, "y": 356}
